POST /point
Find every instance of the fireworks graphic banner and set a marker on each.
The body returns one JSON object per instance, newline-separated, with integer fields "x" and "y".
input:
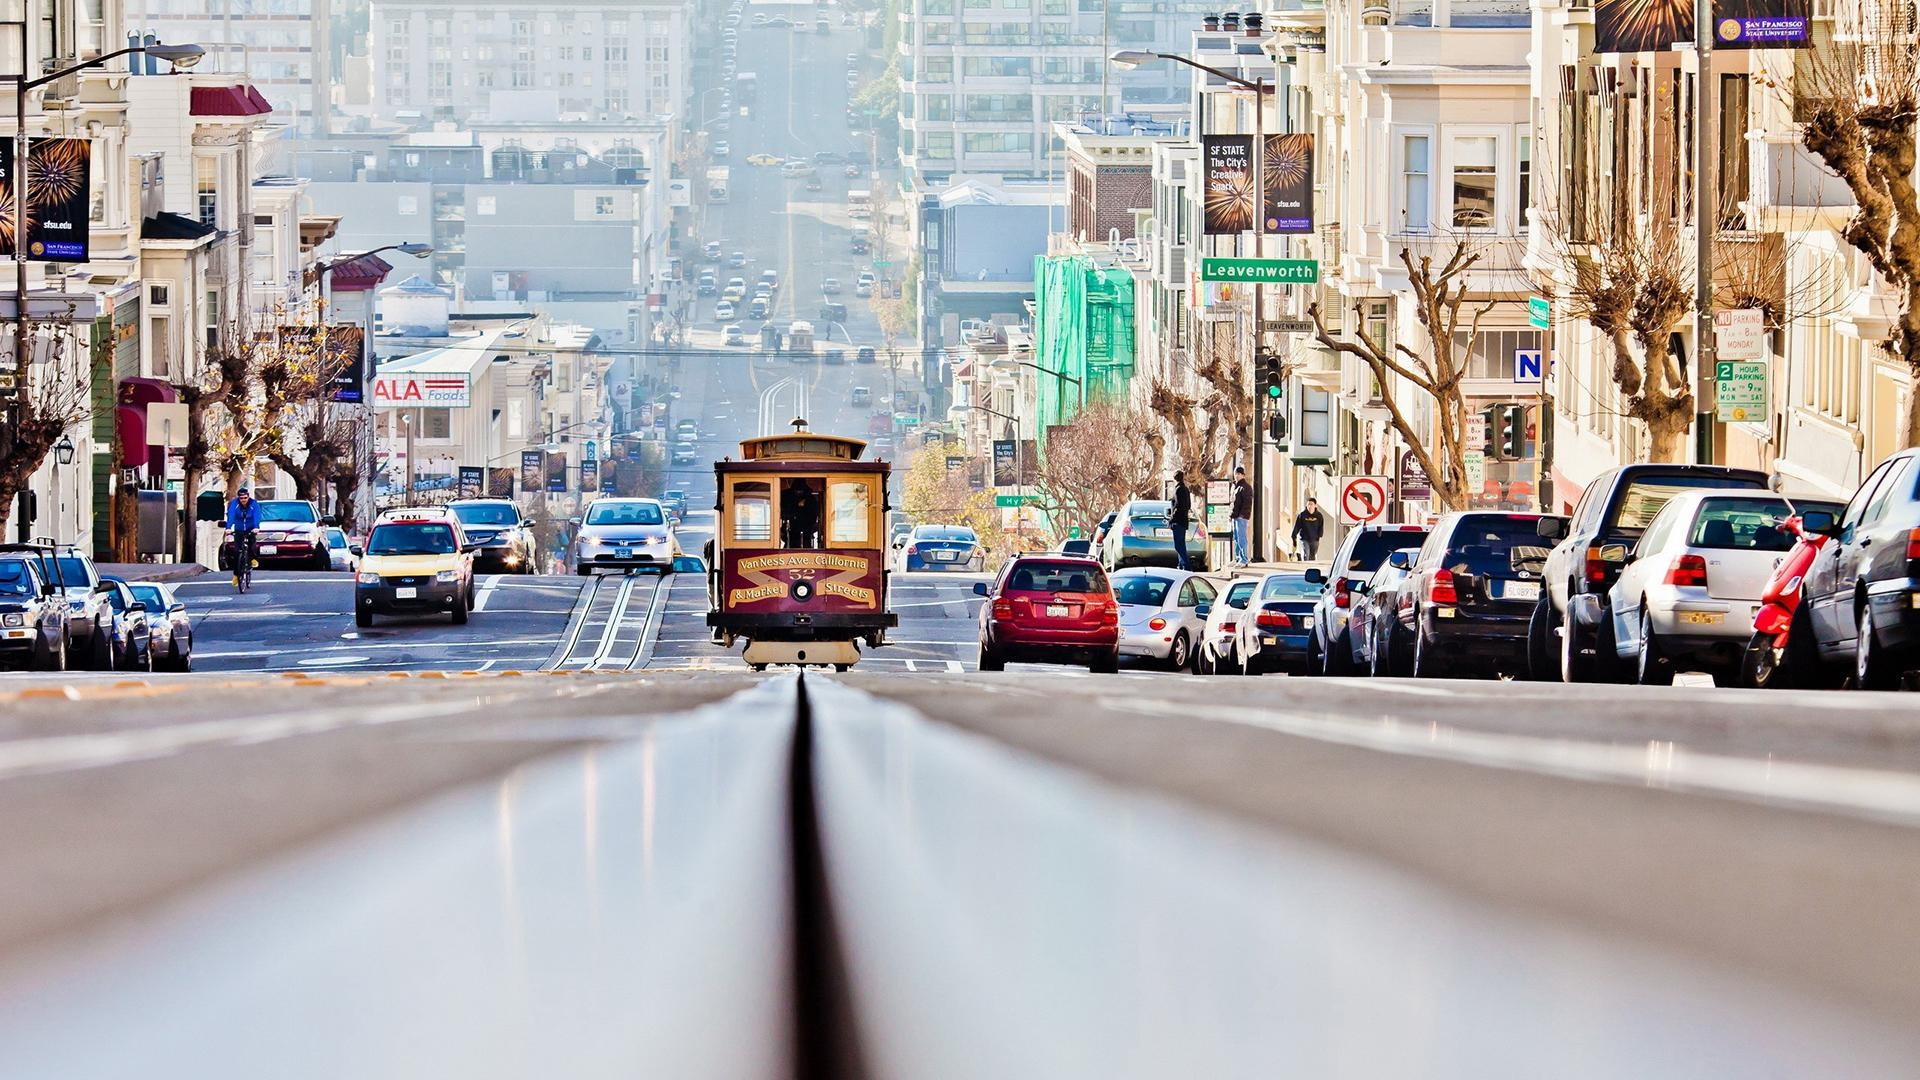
{"x": 57, "y": 199}
{"x": 1624, "y": 26}
{"x": 1229, "y": 197}
{"x": 1288, "y": 172}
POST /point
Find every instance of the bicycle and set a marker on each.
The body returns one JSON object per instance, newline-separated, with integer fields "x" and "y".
{"x": 242, "y": 560}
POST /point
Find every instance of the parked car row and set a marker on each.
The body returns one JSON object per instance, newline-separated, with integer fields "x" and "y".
{"x": 57, "y": 612}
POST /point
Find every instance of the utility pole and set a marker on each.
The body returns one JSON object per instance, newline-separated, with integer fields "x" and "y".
{"x": 1257, "y": 542}
{"x": 1706, "y": 209}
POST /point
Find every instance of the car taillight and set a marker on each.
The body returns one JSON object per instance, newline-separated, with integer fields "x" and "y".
{"x": 1156, "y": 623}
{"x": 1228, "y": 628}
{"x": 1596, "y": 566}
{"x": 1689, "y": 571}
{"x": 1109, "y": 615}
{"x": 1272, "y": 619}
{"x": 1440, "y": 588}
{"x": 1913, "y": 544}
{"x": 1126, "y": 530}
{"x": 1003, "y": 609}
{"x": 1342, "y": 594}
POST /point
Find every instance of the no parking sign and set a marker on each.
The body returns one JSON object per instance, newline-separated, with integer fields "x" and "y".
{"x": 1363, "y": 499}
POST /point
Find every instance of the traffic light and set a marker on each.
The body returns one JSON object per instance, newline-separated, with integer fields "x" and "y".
{"x": 1277, "y": 428}
{"x": 1272, "y": 381}
{"x": 1513, "y": 432}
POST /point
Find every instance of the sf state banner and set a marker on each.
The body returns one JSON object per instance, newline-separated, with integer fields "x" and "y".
{"x": 58, "y": 198}
{"x": 1287, "y": 170}
{"x": 1228, "y": 203}
{"x": 1626, "y": 26}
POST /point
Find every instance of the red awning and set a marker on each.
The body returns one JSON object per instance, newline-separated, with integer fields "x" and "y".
{"x": 132, "y": 424}
{"x": 140, "y": 390}
{"x": 242, "y": 100}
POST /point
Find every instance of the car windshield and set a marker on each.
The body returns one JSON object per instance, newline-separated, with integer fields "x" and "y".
{"x": 151, "y": 596}
{"x": 617, "y": 513}
{"x": 944, "y": 533}
{"x": 1747, "y": 524}
{"x": 1038, "y": 576}
{"x": 1239, "y": 594}
{"x": 487, "y": 514}
{"x": 424, "y": 539}
{"x": 286, "y": 510}
{"x": 1496, "y": 546}
{"x": 15, "y": 578}
{"x": 73, "y": 572}
{"x": 117, "y": 599}
{"x": 1289, "y": 587}
{"x": 1644, "y": 498}
{"x": 1370, "y": 551}
{"x": 1150, "y": 511}
{"x": 1143, "y": 591}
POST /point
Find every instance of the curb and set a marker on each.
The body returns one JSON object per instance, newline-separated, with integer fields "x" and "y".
{"x": 152, "y": 571}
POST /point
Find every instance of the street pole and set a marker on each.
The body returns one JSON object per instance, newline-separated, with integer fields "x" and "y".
{"x": 1706, "y": 208}
{"x": 1256, "y": 547}
{"x": 410, "y": 421}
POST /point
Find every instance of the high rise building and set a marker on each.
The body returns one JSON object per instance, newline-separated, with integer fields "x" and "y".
{"x": 282, "y": 46}
{"x": 466, "y": 60}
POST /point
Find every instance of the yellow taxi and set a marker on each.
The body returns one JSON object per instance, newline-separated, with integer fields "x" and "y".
{"x": 418, "y": 561}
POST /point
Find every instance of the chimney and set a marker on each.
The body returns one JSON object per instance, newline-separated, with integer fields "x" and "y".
{"x": 1230, "y": 22}
{"x": 1254, "y": 24}
{"x": 1210, "y": 22}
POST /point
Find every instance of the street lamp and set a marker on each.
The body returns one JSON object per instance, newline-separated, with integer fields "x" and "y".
{"x": 1133, "y": 58}
{"x": 63, "y": 450}
{"x": 180, "y": 56}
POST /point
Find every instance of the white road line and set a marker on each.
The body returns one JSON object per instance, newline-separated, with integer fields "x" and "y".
{"x": 1872, "y": 794}
{"x": 295, "y": 650}
{"x": 614, "y": 619}
{"x": 584, "y": 600}
{"x": 955, "y": 666}
{"x": 656, "y": 616}
{"x": 485, "y": 592}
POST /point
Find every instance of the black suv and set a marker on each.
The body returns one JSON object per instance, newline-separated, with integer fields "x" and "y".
{"x": 1571, "y": 635}
{"x": 1331, "y": 650}
{"x": 495, "y": 526}
{"x": 1470, "y": 595}
{"x": 1863, "y": 592}
{"x": 33, "y": 611}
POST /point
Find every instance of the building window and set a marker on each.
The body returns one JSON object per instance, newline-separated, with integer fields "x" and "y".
{"x": 603, "y": 206}
{"x": 436, "y": 423}
{"x": 159, "y": 295}
{"x": 1526, "y": 179}
{"x": 936, "y": 107}
{"x": 206, "y": 182}
{"x": 1416, "y": 192}
{"x": 1475, "y": 178}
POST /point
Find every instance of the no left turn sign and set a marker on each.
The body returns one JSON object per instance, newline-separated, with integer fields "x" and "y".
{"x": 1363, "y": 499}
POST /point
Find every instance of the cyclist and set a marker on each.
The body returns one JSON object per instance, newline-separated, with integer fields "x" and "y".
{"x": 243, "y": 519}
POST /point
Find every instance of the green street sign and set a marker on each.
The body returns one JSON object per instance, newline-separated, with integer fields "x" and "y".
{"x": 1539, "y": 312}
{"x": 1261, "y": 271}
{"x": 906, "y": 419}
{"x": 883, "y": 262}
{"x": 1016, "y": 500}
{"x": 1740, "y": 391}
{"x": 1073, "y": 532}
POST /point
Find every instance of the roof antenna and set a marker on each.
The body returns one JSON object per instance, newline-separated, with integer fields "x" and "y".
{"x": 798, "y": 424}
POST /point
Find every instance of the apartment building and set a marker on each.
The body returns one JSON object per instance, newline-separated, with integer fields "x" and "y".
{"x": 284, "y": 48}
{"x": 462, "y": 59}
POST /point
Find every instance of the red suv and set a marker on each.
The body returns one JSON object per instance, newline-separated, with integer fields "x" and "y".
{"x": 1049, "y": 609}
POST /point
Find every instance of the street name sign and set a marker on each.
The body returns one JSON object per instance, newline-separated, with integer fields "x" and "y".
{"x": 1261, "y": 271}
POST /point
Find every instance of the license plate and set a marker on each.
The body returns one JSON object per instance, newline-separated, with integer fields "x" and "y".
{"x": 1703, "y": 618}
{"x": 1307, "y": 623}
{"x": 1520, "y": 590}
{"x": 1056, "y": 611}
{"x": 269, "y": 549}
{"x": 945, "y": 556}
{"x": 1163, "y": 534}
{"x": 405, "y": 592}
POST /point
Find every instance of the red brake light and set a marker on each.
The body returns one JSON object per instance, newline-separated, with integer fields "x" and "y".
{"x": 1003, "y": 609}
{"x": 1156, "y": 623}
{"x": 1913, "y": 544}
{"x": 1272, "y": 618}
{"x": 1688, "y": 571}
{"x": 1228, "y": 628}
{"x": 1127, "y": 529}
{"x": 1596, "y": 566}
{"x": 1440, "y": 588}
{"x": 1342, "y": 594}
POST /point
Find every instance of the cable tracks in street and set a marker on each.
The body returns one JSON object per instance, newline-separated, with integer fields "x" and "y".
{"x": 616, "y": 621}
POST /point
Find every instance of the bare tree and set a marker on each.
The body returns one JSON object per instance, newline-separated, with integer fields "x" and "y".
{"x": 326, "y": 452}
{"x": 1094, "y": 463}
{"x": 1858, "y": 97}
{"x": 1209, "y": 429}
{"x": 51, "y": 397}
{"x": 1444, "y": 312}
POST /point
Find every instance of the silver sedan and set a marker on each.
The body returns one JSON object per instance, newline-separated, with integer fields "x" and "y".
{"x": 1163, "y": 614}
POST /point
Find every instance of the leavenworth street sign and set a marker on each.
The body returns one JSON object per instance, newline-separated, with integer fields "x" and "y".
{"x": 1261, "y": 271}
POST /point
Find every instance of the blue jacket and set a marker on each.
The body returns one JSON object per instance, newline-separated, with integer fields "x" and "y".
{"x": 243, "y": 519}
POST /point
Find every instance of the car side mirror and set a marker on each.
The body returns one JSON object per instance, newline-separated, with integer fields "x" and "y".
{"x": 103, "y": 587}
{"x": 176, "y": 608}
{"x": 1361, "y": 587}
{"x": 980, "y": 588}
{"x": 468, "y": 549}
{"x": 330, "y": 522}
{"x": 573, "y": 521}
{"x": 137, "y": 606}
{"x": 1400, "y": 560}
{"x": 355, "y": 550}
{"x": 1613, "y": 553}
{"x": 1552, "y": 528}
{"x": 1822, "y": 522}
{"x": 1315, "y": 576}
{"x": 1203, "y": 611}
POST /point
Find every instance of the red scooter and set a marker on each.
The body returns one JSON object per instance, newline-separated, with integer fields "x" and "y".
{"x": 1782, "y": 652}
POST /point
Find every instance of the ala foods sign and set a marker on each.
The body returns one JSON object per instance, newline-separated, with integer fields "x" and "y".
{"x": 402, "y": 391}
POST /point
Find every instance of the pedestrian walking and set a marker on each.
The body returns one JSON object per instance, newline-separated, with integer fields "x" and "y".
{"x": 1182, "y": 518}
{"x": 1242, "y": 515}
{"x": 1308, "y": 527}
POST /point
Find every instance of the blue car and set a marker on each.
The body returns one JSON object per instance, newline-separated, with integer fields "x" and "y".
{"x": 1277, "y": 627}
{"x": 940, "y": 547}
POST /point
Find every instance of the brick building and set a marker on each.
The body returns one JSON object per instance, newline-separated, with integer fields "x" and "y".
{"x": 1110, "y": 172}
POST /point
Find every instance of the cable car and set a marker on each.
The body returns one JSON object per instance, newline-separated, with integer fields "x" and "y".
{"x": 798, "y": 567}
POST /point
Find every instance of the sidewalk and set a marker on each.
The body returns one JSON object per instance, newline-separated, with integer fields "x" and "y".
{"x": 151, "y": 571}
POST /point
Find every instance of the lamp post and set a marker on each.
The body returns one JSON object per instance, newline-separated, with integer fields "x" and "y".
{"x": 63, "y": 453}
{"x": 1019, "y": 470}
{"x": 1131, "y": 58}
{"x": 326, "y": 268}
